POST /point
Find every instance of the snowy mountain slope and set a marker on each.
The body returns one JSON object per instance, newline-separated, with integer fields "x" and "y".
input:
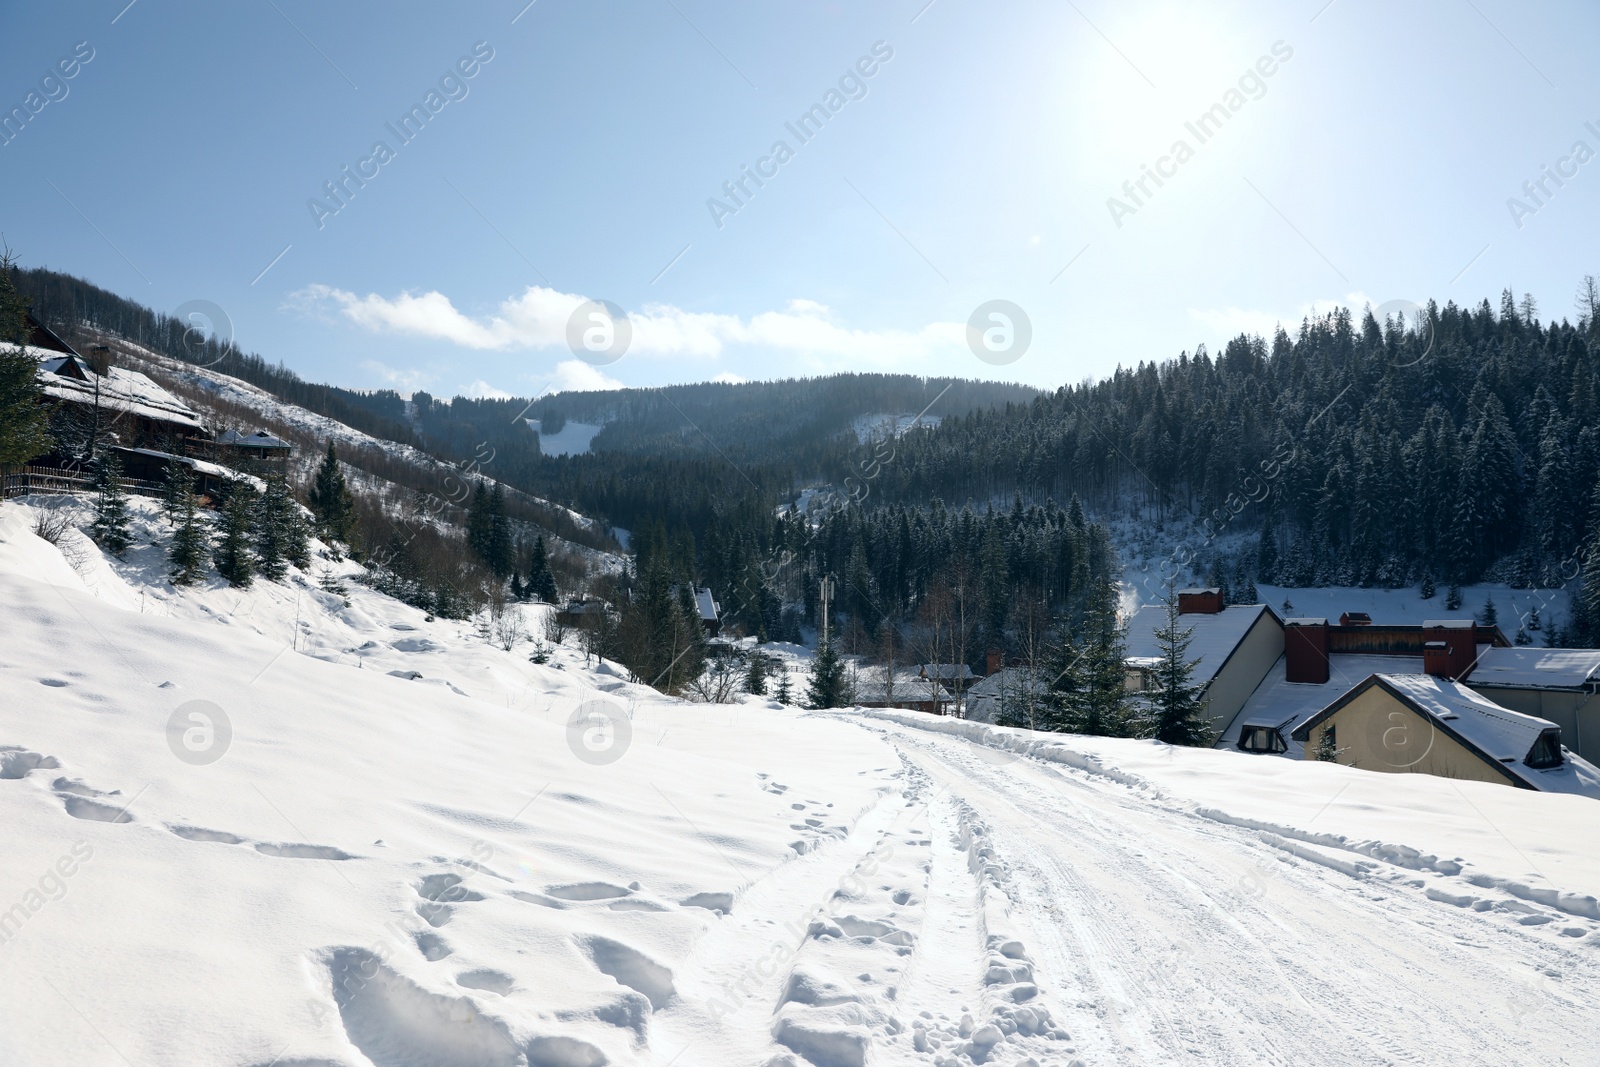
{"x": 219, "y": 395}
{"x": 383, "y": 872}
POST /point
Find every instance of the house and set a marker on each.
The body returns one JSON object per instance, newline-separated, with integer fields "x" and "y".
{"x": 584, "y": 612}
{"x": 210, "y": 480}
{"x": 1322, "y": 661}
{"x": 710, "y": 611}
{"x": 1007, "y": 692}
{"x": 259, "y": 451}
{"x": 950, "y": 674}
{"x": 1428, "y": 724}
{"x": 118, "y": 407}
{"x": 1235, "y": 647}
{"x": 1559, "y": 684}
{"x": 876, "y": 687}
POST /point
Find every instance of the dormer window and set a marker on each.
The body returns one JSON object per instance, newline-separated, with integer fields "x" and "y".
{"x": 1546, "y": 751}
{"x": 1261, "y": 739}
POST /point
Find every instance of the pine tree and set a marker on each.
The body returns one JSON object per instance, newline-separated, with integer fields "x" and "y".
{"x": 827, "y": 688}
{"x": 755, "y": 675}
{"x": 280, "y": 533}
{"x": 518, "y": 590}
{"x": 541, "y": 583}
{"x": 190, "y": 545}
{"x": 1522, "y": 637}
{"x": 1427, "y": 592}
{"x": 1248, "y": 593}
{"x": 500, "y": 553}
{"x": 234, "y": 557}
{"x": 1327, "y": 749}
{"x": 1490, "y": 616}
{"x": 785, "y": 693}
{"x": 110, "y": 505}
{"x": 1097, "y": 701}
{"x": 331, "y": 501}
{"x": 24, "y": 431}
{"x": 1452, "y": 598}
{"x": 177, "y": 485}
{"x": 479, "y": 521}
{"x": 1179, "y": 711}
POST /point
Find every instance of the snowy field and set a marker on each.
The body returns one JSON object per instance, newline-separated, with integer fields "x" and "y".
{"x": 571, "y": 440}
{"x": 386, "y": 843}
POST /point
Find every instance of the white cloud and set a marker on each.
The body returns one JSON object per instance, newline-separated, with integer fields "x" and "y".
{"x": 407, "y": 381}
{"x": 482, "y": 390}
{"x": 728, "y": 378}
{"x": 538, "y": 319}
{"x": 576, "y": 376}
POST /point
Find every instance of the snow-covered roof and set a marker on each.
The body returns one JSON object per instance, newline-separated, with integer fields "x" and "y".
{"x": 1448, "y": 624}
{"x": 204, "y": 467}
{"x": 259, "y": 439}
{"x": 1536, "y": 668}
{"x": 1284, "y": 704}
{"x": 1500, "y": 735}
{"x": 945, "y": 672}
{"x": 122, "y": 391}
{"x": 908, "y": 687}
{"x": 1305, "y": 621}
{"x": 707, "y": 605}
{"x": 1215, "y": 636}
{"x": 1014, "y": 678}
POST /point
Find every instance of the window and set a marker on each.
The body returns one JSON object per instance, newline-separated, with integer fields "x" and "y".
{"x": 1546, "y": 751}
{"x": 1261, "y": 739}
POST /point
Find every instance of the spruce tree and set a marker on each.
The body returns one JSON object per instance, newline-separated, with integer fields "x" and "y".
{"x": 1098, "y": 701}
{"x": 1452, "y": 598}
{"x": 500, "y": 553}
{"x": 785, "y": 693}
{"x": 1490, "y": 617}
{"x": 1179, "y": 711}
{"x": 24, "y": 432}
{"x": 110, "y": 505}
{"x": 331, "y": 501}
{"x": 541, "y": 583}
{"x": 518, "y": 591}
{"x": 1427, "y": 591}
{"x": 755, "y": 674}
{"x": 176, "y": 486}
{"x": 827, "y": 689}
{"x": 479, "y": 521}
{"x": 190, "y": 545}
{"x": 234, "y": 557}
{"x": 1267, "y": 553}
{"x": 280, "y": 533}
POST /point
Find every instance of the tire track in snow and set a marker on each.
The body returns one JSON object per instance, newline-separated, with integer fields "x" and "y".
{"x": 1150, "y": 916}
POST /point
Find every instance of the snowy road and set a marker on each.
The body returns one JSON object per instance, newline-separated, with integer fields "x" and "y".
{"x": 1166, "y": 937}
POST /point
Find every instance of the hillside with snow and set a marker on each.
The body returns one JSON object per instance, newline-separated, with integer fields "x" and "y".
{"x": 283, "y": 825}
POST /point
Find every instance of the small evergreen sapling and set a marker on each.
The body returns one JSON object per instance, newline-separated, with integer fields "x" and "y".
{"x": 785, "y": 693}
{"x": 110, "y": 506}
{"x": 1452, "y": 598}
{"x": 1491, "y": 617}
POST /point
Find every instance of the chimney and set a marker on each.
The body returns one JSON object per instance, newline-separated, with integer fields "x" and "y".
{"x": 1305, "y": 650}
{"x": 1355, "y": 618}
{"x": 1199, "y": 601}
{"x": 1449, "y": 647}
{"x": 994, "y": 659}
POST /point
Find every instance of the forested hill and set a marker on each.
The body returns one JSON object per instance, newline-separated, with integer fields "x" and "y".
{"x": 795, "y": 418}
{"x": 1462, "y": 445}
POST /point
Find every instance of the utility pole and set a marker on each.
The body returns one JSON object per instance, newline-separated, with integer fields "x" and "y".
{"x": 827, "y": 591}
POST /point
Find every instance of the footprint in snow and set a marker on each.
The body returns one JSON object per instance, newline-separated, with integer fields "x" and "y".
{"x": 16, "y": 762}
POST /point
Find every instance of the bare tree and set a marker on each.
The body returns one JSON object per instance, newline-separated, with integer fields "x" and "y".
{"x": 719, "y": 683}
{"x": 555, "y": 631}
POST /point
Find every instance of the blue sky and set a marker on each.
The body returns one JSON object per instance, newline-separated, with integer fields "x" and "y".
{"x": 1356, "y": 153}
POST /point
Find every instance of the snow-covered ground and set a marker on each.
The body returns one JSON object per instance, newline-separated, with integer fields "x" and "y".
{"x": 506, "y": 863}
{"x": 881, "y": 426}
{"x": 571, "y": 440}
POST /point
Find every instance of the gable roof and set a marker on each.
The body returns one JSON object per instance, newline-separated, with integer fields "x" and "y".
{"x": 1215, "y": 636}
{"x": 1016, "y": 678}
{"x": 1502, "y": 738}
{"x": 125, "y": 391}
{"x": 259, "y": 439}
{"x": 871, "y": 687}
{"x": 707, "y": 605}
{"x": 1283, "y": 704}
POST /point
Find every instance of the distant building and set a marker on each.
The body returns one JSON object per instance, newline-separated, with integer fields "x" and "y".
{"x": 875, "y": 687}
{"x": 1426, "y": 724}
{"x": 584, "y": 612}
{"x": 259, "y": 451}
{"x": 710, "y": 611}
{"x": 1007, "y": 692}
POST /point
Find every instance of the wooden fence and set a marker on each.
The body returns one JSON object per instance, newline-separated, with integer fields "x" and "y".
{"x": 21, "y": 481}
